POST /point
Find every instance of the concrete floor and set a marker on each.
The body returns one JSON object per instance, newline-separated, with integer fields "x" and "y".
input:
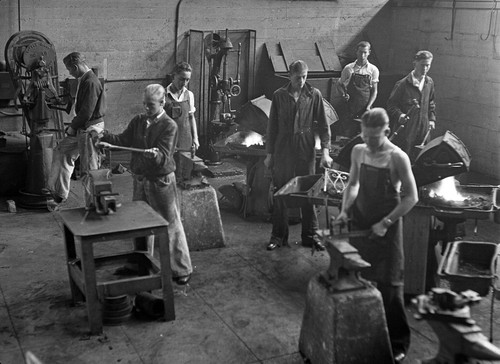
{"x": 243, "y": 304}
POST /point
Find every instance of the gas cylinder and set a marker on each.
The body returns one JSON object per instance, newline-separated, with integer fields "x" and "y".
{"x": 344, "y": 320}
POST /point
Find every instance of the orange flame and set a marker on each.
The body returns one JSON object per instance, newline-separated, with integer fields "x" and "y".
{"x": 446, "y": 189}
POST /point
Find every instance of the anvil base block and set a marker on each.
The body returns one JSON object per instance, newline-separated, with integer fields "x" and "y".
{"x": 344, "y": 327}
{"x": 201, "y": 218}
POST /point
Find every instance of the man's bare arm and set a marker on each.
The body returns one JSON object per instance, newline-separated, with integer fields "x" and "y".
{"x": 352, "y": 189}
{"x": 409, "y": 196}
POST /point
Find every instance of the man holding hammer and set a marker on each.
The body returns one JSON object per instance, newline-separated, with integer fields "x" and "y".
{"x": 411, "y": 104}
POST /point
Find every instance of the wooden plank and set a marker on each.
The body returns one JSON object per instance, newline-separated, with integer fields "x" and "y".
{"x": 129, "y": 285}
{"x": 326, "y": 50}
{"x": 287, "y": 51}
{"x": 311, "y": 58}
{"x": 278, "y": 62}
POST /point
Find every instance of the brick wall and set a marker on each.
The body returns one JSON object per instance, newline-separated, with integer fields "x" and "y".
{"x": 466, "y": 71}
{"x": 129, "y": 39}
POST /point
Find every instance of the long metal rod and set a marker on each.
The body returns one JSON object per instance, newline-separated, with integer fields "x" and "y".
{"x": 134, "y": 80}
{"x": 117, "y": 147}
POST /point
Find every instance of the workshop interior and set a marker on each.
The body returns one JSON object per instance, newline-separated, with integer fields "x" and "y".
{"x": 60, "y": 301}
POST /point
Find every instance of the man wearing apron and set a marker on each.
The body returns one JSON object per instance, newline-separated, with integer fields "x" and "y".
{"x": 179, "y": 105}
{"x": 359, "y": 85}
{"x": 379, "y": 171}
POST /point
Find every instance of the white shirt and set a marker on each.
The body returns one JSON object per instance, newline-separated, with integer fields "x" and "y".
{"x": 152, "y": 121}
{"x": 417, "y": 83}
{"x": 183, "y": 96}
{"x": 366, "y": 69}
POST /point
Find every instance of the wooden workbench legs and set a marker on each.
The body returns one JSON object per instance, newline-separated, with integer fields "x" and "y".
{"x": 166, "y": 277}
{"x": 94, "y": 306}
{"x": 71, "y": 258}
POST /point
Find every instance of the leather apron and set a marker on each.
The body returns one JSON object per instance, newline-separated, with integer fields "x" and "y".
{"x": 179, "y": 111}
{"x": 376, "y": 198}
{"x": 358, "y": 89}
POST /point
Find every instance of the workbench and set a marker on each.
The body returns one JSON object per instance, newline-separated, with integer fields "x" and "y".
{"x": 137, "y": 220}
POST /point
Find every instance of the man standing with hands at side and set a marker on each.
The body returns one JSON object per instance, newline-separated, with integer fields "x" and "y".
{"x": 297, "y": 112}
{"x": 359, "y": 85}
{"x": 411, "y": 104}
{"x": 179, "y": 105}
{"x": 379, "y": 171}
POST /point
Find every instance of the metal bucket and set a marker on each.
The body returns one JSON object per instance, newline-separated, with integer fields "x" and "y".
{"x": 469, "y": 265}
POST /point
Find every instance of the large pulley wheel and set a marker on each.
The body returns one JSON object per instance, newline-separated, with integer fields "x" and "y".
{"x": 25, "y": 47}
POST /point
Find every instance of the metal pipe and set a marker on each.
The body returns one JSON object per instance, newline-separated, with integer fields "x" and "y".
{"x": 177, "y": 13}
{"x": 134, "y": 80}
{"x": 117, "y": 147}
{"x": 19, "y": 15}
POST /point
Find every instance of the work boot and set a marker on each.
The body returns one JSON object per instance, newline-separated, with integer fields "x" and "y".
{"x": 313, "y": 241}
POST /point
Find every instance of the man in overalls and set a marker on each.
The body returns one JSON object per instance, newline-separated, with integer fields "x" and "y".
{"x": 359, "y": 84}
{"x": 379, "y": 171}
{"x": 297, "y": 112}
{"x": 179, "y": 105}
{"x": 411, "y": 104}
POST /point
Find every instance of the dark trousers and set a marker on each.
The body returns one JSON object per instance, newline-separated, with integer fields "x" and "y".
{"x": 282, "y": 173}
{"x": 395, "y": 314}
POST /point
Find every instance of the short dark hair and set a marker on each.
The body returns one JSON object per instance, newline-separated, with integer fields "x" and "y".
{"x": 298, "y": 66}
{"x": 375, "y": 117}
{"x": 74, "y": 59}
{"x": 182, "y": 67}
{"x": 363, "y": 44}
{"x": 423, "y": 55}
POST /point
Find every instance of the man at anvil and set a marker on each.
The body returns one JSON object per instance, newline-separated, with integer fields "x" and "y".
{"x": 379, "y": 171}
{"x": 297, "y": 112}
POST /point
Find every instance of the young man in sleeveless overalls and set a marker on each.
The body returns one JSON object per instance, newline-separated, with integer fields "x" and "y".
{"x": 379, "y": 172}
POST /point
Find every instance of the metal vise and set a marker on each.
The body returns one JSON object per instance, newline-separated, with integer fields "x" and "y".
{"x": 103, "y": 198}
{"x": 460, "y": 339}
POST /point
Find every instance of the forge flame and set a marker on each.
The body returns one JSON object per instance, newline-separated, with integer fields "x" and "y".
{"x": 446, "y": 189}
{"x": 253, "y": 139}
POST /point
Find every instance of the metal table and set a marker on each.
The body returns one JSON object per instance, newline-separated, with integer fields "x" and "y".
{"x": 136, "y": 220}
